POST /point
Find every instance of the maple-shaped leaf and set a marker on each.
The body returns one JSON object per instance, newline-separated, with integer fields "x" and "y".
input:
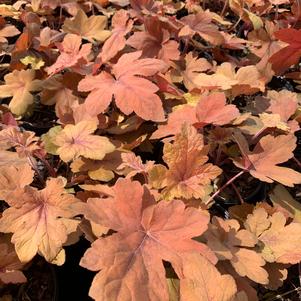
{"x": 102, "y": 170}
{"x": 262, "y": 161}
{"x": 19, "y": 85}
{"x": 193, "y": 66}
{"x": 13, "y": 179}
{"x": 132, "y": 92}
{"x": 131, "y": 260}
{"x": 247, "y": 80}
{"x": 155, "y": 41}
{"x": 201, "y": 23}
{"x": 187, "y": 175}
{"x": 284, "y": 103}
{"x": 229, "y": 242}
{"x": 121, "y": 26}
{"x": 60, "y": 90}
{"x": 264, "y": 43}
{"x": 11, "y": 158}
{"x": 25, "y": 143}
{"x": 201, "y": 282}
{"x": 281, "y": 240}
{"x": 89, "y": 28}
{"x": 10, "y": 264}
{"x": 78, "y": 140}
{"x": 290, "y": 54}
{"x": 41, "y": 220}
{"x": 211, "y": 109}
{"x": 73, "y": 55}
{"x": 132, "y": 165}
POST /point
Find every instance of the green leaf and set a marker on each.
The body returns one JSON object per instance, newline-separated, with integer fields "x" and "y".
{"x": 48, "y": 138}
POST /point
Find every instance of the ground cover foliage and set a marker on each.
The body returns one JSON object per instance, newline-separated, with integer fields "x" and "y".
{"x": 166, "y": 133}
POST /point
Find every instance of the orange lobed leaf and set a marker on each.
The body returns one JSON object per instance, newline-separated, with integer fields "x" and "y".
{"x": 25, "y": 143}
{"x": 290, "y": 54}
{"x": 229, "y": 242}
{"x": 187, "y": 175}
{"x": 201, "y": 24}
{"x": 73, "y": 55}
{"x": 41, "y": 220}
{"x": 11, "y": 158}
{"x": 89, "y": 28}
{"x": 211, "y": 109}
{"x": 247, "y": 80}
{"x": 116, "y": 42}
{"x": 19, "y": 85}
{"x": 193, "y": 67}
{"x": 13, "y": 180}
{"x": 155, "y": 41}
{"x": 201, "y": 282}
{"x": 281, "y": 241}
{"x": 147, "y": 233}
{"x": 262, "y": 161}
{"x": 132, "y": 92}
{"x": 77, "y": 140}
{"x": 132, "y": 165}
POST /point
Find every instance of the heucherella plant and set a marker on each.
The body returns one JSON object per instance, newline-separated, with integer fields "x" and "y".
{"x": 165, "y": 133}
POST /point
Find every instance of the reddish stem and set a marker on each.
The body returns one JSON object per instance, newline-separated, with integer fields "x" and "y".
{"x": 224, "y": 186}
{"x": 297, "y": 161}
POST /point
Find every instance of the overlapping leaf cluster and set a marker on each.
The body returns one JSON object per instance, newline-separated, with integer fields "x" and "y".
{"x": 123, "y": 121}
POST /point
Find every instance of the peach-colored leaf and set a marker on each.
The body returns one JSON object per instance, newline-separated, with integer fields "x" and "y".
{"x": 10, "y": 264}
{"x": 193, "y": 67}
{"x": 73, "y": 55}
{"x": 41, "y": 220}
{"x": 10, "y": 158}
{"x": 25, "y": 143}
{"x": 281, "y": 240}
{"x": 188, "y": 175}
{"x": 12, "y": 181}
{"x": 132, "y": 165}
{"x": 290, "y": 54}
{"x": 284, "y": 103}
{"x": 147, "y": 233}
{"x": 262, "y": 161}
{"x": 229, "y": 242}
{"x": 205, "y": 283}
{"x": 121, "y": 26}
{"x": 201, "y": 24}
{"x": 89, "y": 28}
{"x": 211, "y": 109}
{"x": 7, "y": 31}
{"x": 132, "y": 92}
{"x": 155, "y": 41}
{"x": 19, "y": 85}
{"x": 78, "y": 140}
